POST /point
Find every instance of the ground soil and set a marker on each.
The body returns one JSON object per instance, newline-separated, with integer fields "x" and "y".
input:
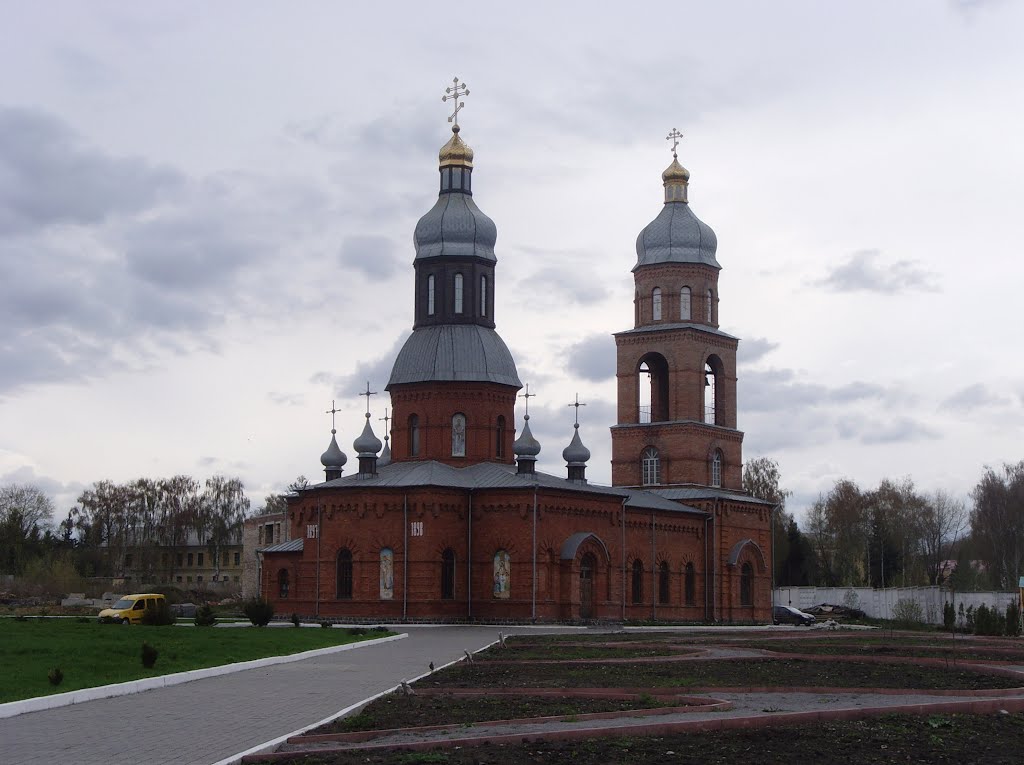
{"x": 562, "y": 651}
{"x": 399, "y": 711}
{"x": 955, "y": 739}
{"x": 774, "y": 672}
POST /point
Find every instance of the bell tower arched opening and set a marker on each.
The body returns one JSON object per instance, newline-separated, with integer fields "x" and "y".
{"x": 653, "y": 388}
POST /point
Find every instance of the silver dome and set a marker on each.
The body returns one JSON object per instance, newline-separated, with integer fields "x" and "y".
{"x": 454, "y": 352}
{"x": 455, "y": 226}
{"x": 576, "y": 453}
{"x": 334, "y": 457}
{"x": 367, "y": 445}
{"x": 676, "y": 236}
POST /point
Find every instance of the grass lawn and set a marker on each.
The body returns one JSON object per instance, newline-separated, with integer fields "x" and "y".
{"x": 91, "y": 654}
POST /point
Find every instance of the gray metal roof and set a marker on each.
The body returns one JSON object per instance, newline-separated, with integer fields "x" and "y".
{"x": 676, "y": 236}
{"x": 292, "y": 545}
{"x": 680, "y": 493}
{"x": 677, "y": 325}
{"x": 490, "y": 475}
{"x": 455, "y": 226}
{"x": 456, "y": 352}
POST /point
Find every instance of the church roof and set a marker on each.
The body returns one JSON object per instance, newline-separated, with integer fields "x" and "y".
{"x": 292, "y": 545}
{"x": 491, "y": 475}
{"x": 455, "y": 226}
{"x": 455, "y": 352}
{"x": 682, "y": 493}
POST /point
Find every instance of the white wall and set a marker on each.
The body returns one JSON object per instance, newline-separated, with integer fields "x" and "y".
{"x": 878, "y": 604}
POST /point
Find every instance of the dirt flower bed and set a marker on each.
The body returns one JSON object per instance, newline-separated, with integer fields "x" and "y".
{"x": 563, "y": 651}
{"x": 990, "y": 739}
{"x": 961, "y": 651}
{"x": 400, "y": 711}
{"x": 775, "y": 672}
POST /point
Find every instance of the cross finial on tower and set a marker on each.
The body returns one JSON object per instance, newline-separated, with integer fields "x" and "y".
{"x": 527, "y": 396}
{"x": 332, "y": 411}
{"x": 577, "y": 404}
{"x": 368, "y": 393}
{"x": 674, "y": 137}
{"x": 455, "y": 92}
{"x": 386, "y": 420}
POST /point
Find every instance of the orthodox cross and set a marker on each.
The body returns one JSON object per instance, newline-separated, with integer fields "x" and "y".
{"x": 332, "y": 411}
{"x": 454, "y": 92}
{"x": 386, "y": 420}
{"x": 368, "y": 393}
{"x": 674, "y": 137}
{"x": 577, "y": 404}
{"x": 527, "y": 396}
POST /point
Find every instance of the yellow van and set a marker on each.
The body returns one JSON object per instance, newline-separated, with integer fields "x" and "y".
{"x": 129, "y": 609}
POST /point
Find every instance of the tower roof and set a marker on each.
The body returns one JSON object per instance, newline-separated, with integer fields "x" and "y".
{"x": 576, "y": 453}
{"x": 334, "y": 457}
{"x": 526, "y": 445}
{"x": 367, "y": 444}
{"x": 454, "y": 352}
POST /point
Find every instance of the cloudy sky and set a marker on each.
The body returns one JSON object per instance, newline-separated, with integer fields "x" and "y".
{"x": 206, "y": 216}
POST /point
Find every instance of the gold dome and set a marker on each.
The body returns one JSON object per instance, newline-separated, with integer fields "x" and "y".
{"x": 676, "y": 172}
{"x": 456, "y": 153}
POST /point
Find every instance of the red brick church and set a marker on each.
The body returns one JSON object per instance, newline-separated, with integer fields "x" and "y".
{"x": 453, "y": 522}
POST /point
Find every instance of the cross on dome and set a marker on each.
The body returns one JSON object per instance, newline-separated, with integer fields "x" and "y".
{"x": 527, "y": 396}
{"x": 386, "y": 420}
{"x": 332, "y": 411}
{"x": 577, "y": 404}
{"x": 455, "y": 92}
{"x": 368, "y": 393}
{"x": 674, "y": 137}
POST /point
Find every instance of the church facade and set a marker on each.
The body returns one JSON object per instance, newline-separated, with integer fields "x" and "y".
{"x": 452, "y": 521}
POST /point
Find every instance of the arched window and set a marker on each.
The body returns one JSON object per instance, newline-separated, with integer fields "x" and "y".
{"x": 448, "y": 574}
{"x": 638, "y": 581}
{"x": 502, "y": 574}
{"x": 344, "y": 574}
{"x": 499, "y": 438}
{"x": 684, "y": 304}
{"x": 430, "y": 295}
{"x": 483, "y": 295}
{"x": 710, "y": 307}
{"x": 414, "y": 435}
{"x": 458, "y": 294}
{"x": 664, "y": 576}
{"x": 652, "y": 389}
{"x": 690, "y": 584}
{"x": 716, "y": 469}
{"x": 459, "y": 435}
{"x": 387, "y": 573}
{"x": 282, "y": 583}
{"x": 656, "y": 304}
{"x": 650, "y": 467}
{"x": 710, "y": 389}
{"x": 747, "y": 585}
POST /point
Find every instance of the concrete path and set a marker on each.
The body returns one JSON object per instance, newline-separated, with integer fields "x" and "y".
{"x": 208, "y": 720}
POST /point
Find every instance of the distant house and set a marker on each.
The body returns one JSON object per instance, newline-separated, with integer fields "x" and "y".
{"x": 259, "y": 532}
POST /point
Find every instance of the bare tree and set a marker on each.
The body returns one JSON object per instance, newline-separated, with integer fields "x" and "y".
{"x": 997, "y": 523}
{"x": 941, "y": 523}
{"x": 223, "y": 510}
{"x": 28, "y": 504}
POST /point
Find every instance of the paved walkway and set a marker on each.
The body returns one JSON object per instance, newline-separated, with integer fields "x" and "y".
{"x": 205, "y": 721}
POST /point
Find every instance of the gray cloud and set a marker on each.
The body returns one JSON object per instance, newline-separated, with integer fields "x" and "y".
{"x": 375, "y": 256}
{"x": 48, "y": 175}
{"x": 593, "y": 358}
{"x": 375, "y": 371}
{"x": 897, "y": 430}
{"x": 976, "y": 396}
{"x": 753, "y": 349}
{"x": 286, "y": 399}
{"x": 774, "y": 389}
{"x": 862, "y": 272}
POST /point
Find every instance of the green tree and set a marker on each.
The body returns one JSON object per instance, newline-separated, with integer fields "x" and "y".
{"x": 223, "y": 510}
{"x": 761, "y": 479}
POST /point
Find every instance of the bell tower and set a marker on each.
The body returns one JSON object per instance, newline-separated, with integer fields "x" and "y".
{"x": 676, "y": 369}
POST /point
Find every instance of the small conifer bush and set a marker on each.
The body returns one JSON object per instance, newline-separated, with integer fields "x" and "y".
{"x": 258, "y": 611}
{"x": 159, "y": 615}
{"x": 55, "y": 676}
{"x": 149, "y": 655}
{"x": 295, "y": 620}
{"x": 205, "y": 617}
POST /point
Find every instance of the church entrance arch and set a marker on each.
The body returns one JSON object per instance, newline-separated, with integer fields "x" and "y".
{"x": 588, "y": 566}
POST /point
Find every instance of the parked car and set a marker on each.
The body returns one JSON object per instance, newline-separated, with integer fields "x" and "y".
{"x": 790, "y": 615}
{"x": 129, "y": 609}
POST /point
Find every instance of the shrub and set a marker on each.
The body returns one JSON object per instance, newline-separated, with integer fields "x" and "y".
{"x": 989, "y": 621}
{"x": 159, "y": 615}
{"x": 149, "y": 655}
{"x": 907, "y": 613}
{"x": 295, "y": 619}
{"x": 205, "y": 617}
{"x": 949, "y": 616}
{"x": 325, "y": 624}
{"x": 55, "y": 676}
{"x": 1013, "y": 626}
{"x": 961, "y": 618}
{"x": 970, "y": 619}
{"x": 258, "y": 611}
